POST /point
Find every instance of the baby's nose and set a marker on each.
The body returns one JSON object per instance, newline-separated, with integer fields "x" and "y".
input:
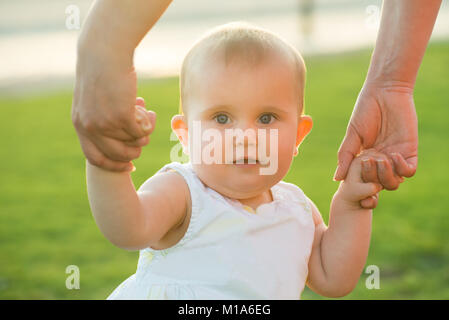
{"x": 246, "y": 135}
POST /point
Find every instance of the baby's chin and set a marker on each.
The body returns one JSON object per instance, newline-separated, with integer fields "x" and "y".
{"x": 240, "y": 187}
{"x": 241, "y": 192}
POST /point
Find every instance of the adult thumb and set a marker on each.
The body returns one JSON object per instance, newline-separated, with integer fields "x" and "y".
{"x": 349, "y": 148}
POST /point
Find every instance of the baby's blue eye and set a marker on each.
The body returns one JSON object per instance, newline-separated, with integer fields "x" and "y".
{"x": 266, "y": 118}
{"x": 222, "y": 118}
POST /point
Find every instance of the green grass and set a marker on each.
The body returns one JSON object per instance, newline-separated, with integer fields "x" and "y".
{"x": 46, "y": 224}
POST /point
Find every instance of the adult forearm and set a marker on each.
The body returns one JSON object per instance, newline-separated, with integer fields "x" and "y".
{"x": 405, "y": 29}
{"x": 114, "y": 28}
{"x": 115, "y": 205}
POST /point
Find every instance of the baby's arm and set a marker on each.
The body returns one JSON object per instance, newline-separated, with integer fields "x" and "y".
{"x": 339, "y": 251}
{"x": 132, "y": 219}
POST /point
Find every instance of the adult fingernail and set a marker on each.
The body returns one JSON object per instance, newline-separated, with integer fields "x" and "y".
{"x": 139, "y": 116}
{"x": 381, "y": 163}
{"x": 146, "y": 126}
{"x": 366, "y": 163}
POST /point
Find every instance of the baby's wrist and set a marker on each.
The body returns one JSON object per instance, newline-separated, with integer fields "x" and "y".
{"x": 105, "y": 172}
{"x": 346, "y": 200}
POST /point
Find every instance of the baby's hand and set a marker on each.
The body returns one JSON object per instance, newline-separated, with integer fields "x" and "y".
{"x": 353, "y": 189}
{"x": 146, "y": 119}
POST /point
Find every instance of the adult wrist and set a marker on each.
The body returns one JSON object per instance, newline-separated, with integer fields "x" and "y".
{"x": 388, "y": 71}
{"x": 96, "y": 56}
{"x": 393, "y": 84}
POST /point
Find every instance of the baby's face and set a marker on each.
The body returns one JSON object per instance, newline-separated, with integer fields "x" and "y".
{"x": 255, "y": 98}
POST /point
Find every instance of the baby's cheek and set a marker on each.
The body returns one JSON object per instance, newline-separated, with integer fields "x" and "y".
{"x": 287, "y": 143}
{"x": 285, "y": 155}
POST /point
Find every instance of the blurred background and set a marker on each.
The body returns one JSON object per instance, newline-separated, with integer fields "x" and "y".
{"x": 45, "y": 220}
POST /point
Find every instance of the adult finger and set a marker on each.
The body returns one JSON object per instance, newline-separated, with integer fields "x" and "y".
{"x": 96, "y": 158}
{"x": 104, "y": 126}
{"x": 366, "y": 190}
{"x": 145, "y": 118}
{"x": 370, "y": 202}
{"x": 404, "y": 168}
{"x": 135, "y": 129}
{"x": 117, "y": 134}
{"x": 386, "y": 175}
{"x": 369, "y": 170}
{"x": 138, "y": 142}
{"x": 116, "y": 150}
{"x": 349, "y": 148}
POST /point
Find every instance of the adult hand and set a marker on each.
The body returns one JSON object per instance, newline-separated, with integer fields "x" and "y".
{"x": 384, "y": 118}
{"x": 104, "y": 116}
{"x": 103, "y": 109}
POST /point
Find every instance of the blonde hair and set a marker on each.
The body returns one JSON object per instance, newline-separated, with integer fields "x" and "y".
{"x": 244, "y": 41}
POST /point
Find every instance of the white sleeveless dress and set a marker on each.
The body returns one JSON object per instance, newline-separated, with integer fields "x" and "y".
{"x": 229, "y": 251}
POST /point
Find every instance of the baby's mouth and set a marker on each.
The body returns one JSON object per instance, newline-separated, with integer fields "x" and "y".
{"x": 246, "y": 161}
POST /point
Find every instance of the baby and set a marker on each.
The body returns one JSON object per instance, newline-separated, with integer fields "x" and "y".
{"x": 220, "y": 227}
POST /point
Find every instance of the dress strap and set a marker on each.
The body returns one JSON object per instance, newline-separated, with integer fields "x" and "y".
{"x": 196, "y": 189}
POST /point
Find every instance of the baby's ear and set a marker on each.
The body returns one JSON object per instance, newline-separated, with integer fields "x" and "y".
{"x": 179, "y": 126}
{"x": 305, "y": 125}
